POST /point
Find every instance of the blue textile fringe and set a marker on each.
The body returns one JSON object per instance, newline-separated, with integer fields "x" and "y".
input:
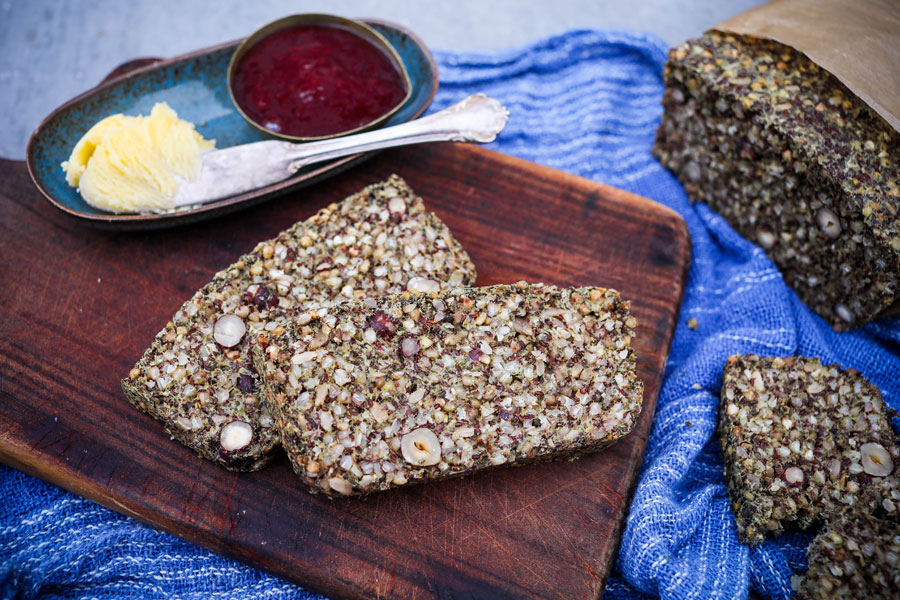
{"x": 586, "y": 102}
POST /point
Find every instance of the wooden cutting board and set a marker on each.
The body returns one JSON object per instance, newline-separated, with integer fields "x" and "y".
{"x": 80, "y": 305}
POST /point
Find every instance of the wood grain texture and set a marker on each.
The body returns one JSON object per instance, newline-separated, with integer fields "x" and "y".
{"x": 80, "y": 305}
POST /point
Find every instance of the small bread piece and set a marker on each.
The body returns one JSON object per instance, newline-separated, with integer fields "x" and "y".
{"x": 801, "y": 441}
{"x": 198, "y": 378}
{"x": 420, "y": 387}
{"x": 795, "y": 162}
{"x": 856, "y": 556}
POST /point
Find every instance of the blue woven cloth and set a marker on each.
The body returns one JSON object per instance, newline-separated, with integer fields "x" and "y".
{"x": 586, "y": 102}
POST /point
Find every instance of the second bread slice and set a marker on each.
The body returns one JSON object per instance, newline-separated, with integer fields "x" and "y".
{"x": 419, "y": 387}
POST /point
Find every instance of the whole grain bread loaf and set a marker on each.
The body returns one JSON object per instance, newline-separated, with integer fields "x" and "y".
{"x": 795, "y": 162}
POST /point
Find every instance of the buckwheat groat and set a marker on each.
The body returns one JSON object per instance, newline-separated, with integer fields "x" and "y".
{"x": 795, "y": 162}
{"x": 801, "y": 441}
{"x": 855, "y": 556}
{"x": 420, "y": 387}
{"x": 198, "y": 378}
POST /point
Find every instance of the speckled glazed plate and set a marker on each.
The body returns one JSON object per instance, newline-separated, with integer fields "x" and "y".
{"x": 195, "y": 86}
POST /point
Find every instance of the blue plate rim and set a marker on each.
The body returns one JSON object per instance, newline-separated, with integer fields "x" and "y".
{"x": 219, "y": 207}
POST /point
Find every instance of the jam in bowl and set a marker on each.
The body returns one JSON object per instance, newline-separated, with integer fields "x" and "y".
{"x": 312, "y": 76}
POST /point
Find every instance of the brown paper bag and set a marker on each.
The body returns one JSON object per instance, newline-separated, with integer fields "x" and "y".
{"x": 858, "y": 41}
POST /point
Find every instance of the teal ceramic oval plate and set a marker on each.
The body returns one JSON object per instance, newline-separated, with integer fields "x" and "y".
{"x": 195, "y": 85}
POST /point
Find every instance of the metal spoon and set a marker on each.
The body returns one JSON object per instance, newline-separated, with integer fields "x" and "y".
{"x": 238, "y": 169}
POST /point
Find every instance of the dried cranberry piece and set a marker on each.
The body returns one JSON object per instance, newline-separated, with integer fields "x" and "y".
{"x": 246, "y": 383}
{"x": 383, "y": 325}
{"x": 264, "y": 298}
{"x": 475, "y": 354}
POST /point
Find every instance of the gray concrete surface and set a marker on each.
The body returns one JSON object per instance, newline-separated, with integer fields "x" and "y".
{"x": 52, "y": 50}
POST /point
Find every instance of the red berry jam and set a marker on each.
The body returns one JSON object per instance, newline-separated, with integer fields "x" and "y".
{"x": 316, "y": 80}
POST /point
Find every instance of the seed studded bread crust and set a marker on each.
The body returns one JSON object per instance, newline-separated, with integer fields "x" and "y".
{"x": 420, "y": 387}
{"x": 801, "y": 441}
{"x": 198, "y": 378}
{"x": 856, "y": 556}
{"x": 795, "y": 162}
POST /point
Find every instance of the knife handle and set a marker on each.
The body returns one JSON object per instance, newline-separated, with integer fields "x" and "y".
{"x": 477, "y": 118}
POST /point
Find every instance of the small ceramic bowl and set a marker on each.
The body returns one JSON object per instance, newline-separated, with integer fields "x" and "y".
{"x": 357, "y": 27}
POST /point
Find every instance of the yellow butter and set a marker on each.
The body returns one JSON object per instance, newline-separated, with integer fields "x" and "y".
{"x": 129, "y": 164}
